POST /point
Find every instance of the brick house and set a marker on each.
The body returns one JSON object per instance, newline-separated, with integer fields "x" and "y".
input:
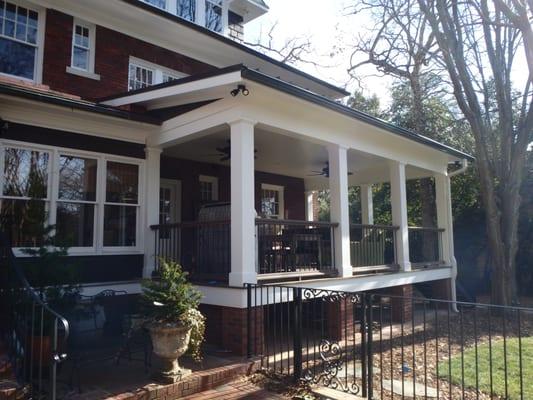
{"x": 155, "y": 132}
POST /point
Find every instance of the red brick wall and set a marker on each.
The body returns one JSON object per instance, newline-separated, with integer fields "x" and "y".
{"x": 189, "y": 171}
{"x": 113, "y": 50}
{"x": 226, "y": 328}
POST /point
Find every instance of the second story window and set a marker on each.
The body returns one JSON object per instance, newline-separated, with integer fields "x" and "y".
{"x": 140, "y": 77}
{"x": 213, "y": 15}
{"x": 186, "y": 9}
{"x": 83, "y": 46}
{"x": 143, "y": 74}
{"x": 19, "y": 40}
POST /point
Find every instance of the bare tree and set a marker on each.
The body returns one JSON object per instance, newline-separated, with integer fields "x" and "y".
{"x": 479, "y": 42}
{"x": 291, "y": 50}
{"x": 402, "y": 45}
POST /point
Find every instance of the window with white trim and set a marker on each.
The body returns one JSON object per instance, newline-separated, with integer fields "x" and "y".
{"x": 19, "y": 40}
{"x": 213, "y": 15}
{"x": 83, "y": 43}
{"x": 208, "y": 188}
{"x": 208, "y": 13}
{"x": 143, "y": 74}
{"x": 272, "y": 201}
{"x": 92, "y": 200}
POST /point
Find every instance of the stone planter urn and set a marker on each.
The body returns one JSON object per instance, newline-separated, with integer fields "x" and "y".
{"x": 170, "y": 341}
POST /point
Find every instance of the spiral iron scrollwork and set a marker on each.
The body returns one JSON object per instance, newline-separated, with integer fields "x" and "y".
{"x": 332, "y": 364}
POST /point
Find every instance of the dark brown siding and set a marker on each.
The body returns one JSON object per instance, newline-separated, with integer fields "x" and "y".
{"x": 113, "y": 50}
{"x": 188, "y": 173}
{"x": 53, "y": 137}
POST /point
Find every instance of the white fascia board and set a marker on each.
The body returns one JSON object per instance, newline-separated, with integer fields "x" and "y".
{"x": 373, "y": 282}
{"x": 75, "y": 121}
{"x": 169, "y": 92}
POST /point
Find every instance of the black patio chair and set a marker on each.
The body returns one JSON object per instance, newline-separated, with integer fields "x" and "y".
{"x": 105, "y": 328}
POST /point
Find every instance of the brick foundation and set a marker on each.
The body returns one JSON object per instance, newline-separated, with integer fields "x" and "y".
{"x": 441, "y": 289}
{"x": 402, "y": 307}
{"x": 227, "y": 328}
{"x": 340, "y": 319}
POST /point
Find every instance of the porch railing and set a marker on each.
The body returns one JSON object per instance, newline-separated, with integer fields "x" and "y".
{"x": 372, "y": 246}
{"x": 202, "y": 248}
{"x": 34, "y": 335}
{"x": 285, "y": 246}
{"x": 425, "y": 246}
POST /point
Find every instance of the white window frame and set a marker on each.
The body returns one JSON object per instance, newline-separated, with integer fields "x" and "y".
{"x": 52, "y": 195}
{"x": 71, "y": 69}
{"x": 39, "y": 56}
{"x": 158, "y": 71}
{"x": 212, "y": 180}
{"x": 281, "y": 197}
{"x": 199, "y": 18}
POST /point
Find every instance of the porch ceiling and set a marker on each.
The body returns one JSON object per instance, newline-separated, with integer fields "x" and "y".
{"x": 291, "y": 156}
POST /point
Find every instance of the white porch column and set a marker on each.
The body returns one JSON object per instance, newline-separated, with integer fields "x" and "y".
{"x": 339, "y": 208}
{"x": 309, "y": 206}
{"x": 153, "y": 166}
{"x": 444, "y": 218}
{"x": 367, "y": 205}
{"x": 399, "y": 213}
{"x": 243, "y": 268}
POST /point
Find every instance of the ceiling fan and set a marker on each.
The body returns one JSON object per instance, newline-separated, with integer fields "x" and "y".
{"x": 224, "y": 152}
{"x": 324, "y": 172}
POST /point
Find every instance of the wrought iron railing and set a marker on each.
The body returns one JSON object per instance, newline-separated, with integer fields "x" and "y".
{"x": 425, "y": 246}
{"x": 380, "y": 346}
{"x": 35, "y": 335}
{"x": 285, "y": 246}
{"x": 373, "y": 245}
{"x": 202, "y": 248}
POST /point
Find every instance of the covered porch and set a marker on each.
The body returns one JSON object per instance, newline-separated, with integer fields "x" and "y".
{"x": 280, "y": 174}
{"x": 268, "y": 147}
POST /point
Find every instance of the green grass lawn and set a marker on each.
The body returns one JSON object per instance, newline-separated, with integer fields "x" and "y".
{"x": 498, "y": 368}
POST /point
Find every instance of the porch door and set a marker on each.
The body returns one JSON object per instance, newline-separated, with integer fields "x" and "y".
{"x": 170, "y": 212}
{"x": 169, "y": 201}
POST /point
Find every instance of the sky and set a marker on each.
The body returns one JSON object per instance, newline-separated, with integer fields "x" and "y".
{"x": 330, "y": 30}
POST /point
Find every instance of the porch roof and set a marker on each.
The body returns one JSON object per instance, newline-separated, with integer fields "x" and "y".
{"x": 43, "y": 94}
{"x": 217, "y": 85}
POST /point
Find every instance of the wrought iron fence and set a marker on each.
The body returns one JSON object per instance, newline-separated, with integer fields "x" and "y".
{"x": 389, "y": 347}
{"x": 202, "y": 248}
{"x": 35, "y": 335}
{"x": 425, "y": 246}
{"x": 372, "y": 245}
{"x": 294, "y": 246}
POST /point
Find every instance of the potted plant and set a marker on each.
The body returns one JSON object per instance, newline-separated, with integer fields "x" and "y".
{"x": 170, "y": 303}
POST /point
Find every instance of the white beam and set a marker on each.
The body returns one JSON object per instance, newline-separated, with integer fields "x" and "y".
{"x": 399, "y": 213}
{"x": 339, "y": 209}
{"x": 367, "y": 205}
{"x": 242, "y": 204}
{"x": 153, "y": 165}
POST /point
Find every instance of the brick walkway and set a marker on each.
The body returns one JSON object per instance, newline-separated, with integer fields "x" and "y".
{"x": 234, "y": 391}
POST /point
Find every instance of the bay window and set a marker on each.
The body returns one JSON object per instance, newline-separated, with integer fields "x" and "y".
{"x": 19, "y": 40}
{"x": 91, "y": 200}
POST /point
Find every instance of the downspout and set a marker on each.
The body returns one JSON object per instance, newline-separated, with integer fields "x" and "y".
{"x": 464, "y": 167}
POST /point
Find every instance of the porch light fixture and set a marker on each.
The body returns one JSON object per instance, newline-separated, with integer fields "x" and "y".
{"x": 240, "y": 89}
